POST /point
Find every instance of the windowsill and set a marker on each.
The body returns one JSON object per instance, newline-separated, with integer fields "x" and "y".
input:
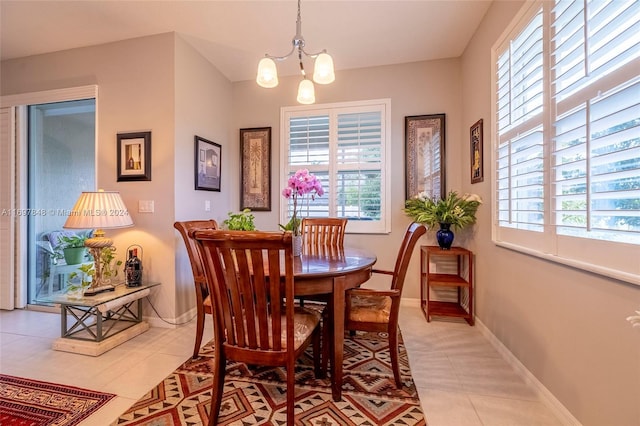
{"x": 606, "y": 272}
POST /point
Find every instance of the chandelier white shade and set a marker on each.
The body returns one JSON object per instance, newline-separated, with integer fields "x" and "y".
{"x": 323, "y": 68}
{"x": 267, "y": 73}
{"x": 306, "y": 92}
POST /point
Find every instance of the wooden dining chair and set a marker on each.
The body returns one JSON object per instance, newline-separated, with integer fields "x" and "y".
{"x": 378, "y": 310}
{"x": 323, "y": 231}
{"x": 203, "y": 300}
{"x": 322, "y": 235}
{"x": 255, "y": 321}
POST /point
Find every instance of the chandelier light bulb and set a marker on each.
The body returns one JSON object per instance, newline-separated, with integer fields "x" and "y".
{"x": 306, "y": 92}
{"x": 267, "y": 73}
{"x": 323, "y": 69}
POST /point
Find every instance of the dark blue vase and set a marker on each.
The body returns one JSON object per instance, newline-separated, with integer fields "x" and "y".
{"x": 444, "y": 236}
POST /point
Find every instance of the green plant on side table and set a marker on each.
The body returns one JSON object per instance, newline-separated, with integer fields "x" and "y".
{"x": 242, "y": 221}
{"x": 73, "y": 248}
{"x": 79, "y": 282}
{"x": 109, "y": 263}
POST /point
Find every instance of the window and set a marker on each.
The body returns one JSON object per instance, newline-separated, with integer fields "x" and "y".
{"x": 567, "y": 125}
{"x": 346, "y": 146}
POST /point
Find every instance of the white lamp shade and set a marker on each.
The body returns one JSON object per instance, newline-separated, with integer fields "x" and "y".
{"x": 306, "y": 92}
{"x": 323, "y": 69}
{"x": 267, "y": 73}
{"x": 99, "y": 210}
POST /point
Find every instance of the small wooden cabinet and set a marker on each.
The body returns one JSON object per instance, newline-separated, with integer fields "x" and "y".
{"x": 446, "y": 270}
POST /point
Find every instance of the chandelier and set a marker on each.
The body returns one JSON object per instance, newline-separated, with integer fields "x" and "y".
{"x": 322, "y": 73}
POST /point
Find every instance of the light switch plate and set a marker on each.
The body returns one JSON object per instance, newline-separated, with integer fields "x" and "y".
{"x": 145, "y": 206}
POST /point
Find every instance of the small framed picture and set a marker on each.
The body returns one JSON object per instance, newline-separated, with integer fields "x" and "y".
{"x": 208, "y": 162}
{"x": 255, "y": 169}
{"x": 425, "y": 155}
{"x": 134, "y": 156}
{"x": 477, "y": 170}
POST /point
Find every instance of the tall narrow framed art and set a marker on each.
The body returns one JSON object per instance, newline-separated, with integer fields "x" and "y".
{"x": 255, "y": 169}
{"x": 424, "y": 150}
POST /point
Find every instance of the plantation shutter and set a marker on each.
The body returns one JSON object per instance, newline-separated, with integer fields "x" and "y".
{"x": 345, "y": 146}
{"x": 596, "y": 150}
{"x": 520, "y": 151}
{"x": 359, "y": 165}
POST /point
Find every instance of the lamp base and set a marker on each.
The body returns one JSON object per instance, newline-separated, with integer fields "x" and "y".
{"x": 92, "y": 291}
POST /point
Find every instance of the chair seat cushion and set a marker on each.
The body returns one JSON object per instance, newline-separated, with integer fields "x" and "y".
{"x": 370, "y": 308}
{"x": 304, "y": 322}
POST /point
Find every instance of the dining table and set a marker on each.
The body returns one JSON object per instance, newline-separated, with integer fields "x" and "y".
{"x": 329, "y": 271}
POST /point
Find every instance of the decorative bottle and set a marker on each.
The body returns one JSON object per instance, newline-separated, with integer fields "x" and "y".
{"x": 133, "y": 269}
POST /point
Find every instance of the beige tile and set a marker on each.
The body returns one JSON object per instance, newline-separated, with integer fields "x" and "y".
{"x": 461, "y": 379}
{"x": 491, "y": 376}
{"x": 442, "y": 408}
{"x": 508, "y": 412}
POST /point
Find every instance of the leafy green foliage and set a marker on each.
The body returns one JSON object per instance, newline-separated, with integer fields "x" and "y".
{"x": 242, "y": 221}
{"x": 453, "y": 209}
{"x": 75, "y": 241}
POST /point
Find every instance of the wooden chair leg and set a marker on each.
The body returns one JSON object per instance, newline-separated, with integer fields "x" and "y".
{"x": 217, "y": 390}
{"x": 317, "y": 354}
{"x": 393, "y": 350}
{"x": 291, "y": 391}
{"x": 199, "y": 332}
{"x": 326, "y": 339}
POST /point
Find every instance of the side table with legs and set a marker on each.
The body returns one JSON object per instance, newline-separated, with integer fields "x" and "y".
{"x": 92, "y": 325}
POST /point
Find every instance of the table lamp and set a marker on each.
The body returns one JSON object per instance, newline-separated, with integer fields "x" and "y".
{"x": 98, "y": 210}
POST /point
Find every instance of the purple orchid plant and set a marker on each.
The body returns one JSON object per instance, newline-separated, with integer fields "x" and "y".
{"x": 301, "y": 184}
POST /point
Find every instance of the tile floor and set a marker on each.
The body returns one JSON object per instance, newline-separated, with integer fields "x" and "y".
{"x": 462, "y": 380}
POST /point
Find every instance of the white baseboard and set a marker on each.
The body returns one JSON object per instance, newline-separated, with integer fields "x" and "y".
{"x": 547, "y": 397}
{"x": 183, "y": 319}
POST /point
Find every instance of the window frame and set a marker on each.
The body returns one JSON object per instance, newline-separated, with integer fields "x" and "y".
{"x": 617, "y": 260}
{"x": 382, "y": 226}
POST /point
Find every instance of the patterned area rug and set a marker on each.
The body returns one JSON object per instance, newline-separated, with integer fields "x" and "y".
{"x": 256, "y": 395}
{"x": 27, "y": 402}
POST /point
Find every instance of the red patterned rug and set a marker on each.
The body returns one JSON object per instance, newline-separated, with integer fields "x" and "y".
{"x": 256, "y": 395}
{"x": 27, "y": 402}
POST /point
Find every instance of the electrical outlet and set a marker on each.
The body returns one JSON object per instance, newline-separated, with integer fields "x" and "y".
{"x": 207, "y": 206}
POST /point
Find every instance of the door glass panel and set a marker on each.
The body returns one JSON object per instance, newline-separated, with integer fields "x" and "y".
{"x": 61, "y": 166}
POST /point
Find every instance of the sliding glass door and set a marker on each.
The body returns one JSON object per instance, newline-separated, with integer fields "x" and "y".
{"x": 61, "y": 164}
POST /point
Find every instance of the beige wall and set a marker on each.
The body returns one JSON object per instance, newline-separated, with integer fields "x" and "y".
{"x": 136, "y": 93}
{"x": 202, "y": 107}
{"x": 415, "y": 88}
{"x": 566, "y": 326}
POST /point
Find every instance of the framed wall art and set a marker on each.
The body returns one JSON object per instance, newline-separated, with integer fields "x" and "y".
{"x": 424, "y": 150}
{"x": 208, "y": 162}
{"x": 255, "y": 169}
{"x": 477, "y": 171}
{"x": 134, "y": 156}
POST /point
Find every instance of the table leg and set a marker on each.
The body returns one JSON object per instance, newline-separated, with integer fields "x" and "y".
{"x": 338, "y": 337}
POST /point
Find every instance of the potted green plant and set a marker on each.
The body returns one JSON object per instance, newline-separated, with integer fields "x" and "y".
{"x": 242, "y": 221}
{"x": 79, "y": 282}
{"x": 451, "y": 211}
{"x": 109, "y": 262}
{"x": 73, "y": 248}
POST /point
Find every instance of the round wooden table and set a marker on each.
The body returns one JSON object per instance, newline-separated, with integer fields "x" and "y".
{"x": 332, "y": 271}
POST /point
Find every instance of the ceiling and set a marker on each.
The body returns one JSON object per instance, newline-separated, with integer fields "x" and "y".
{"x": 234, "y": 35}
